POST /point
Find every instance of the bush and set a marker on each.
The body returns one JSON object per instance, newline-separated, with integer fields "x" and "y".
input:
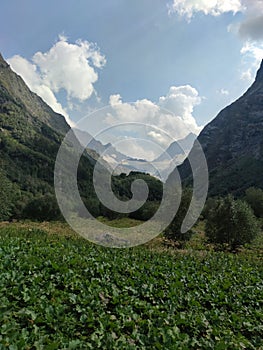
{"x": 92, "y": 205}
{"x": 210, "y": 204}
{"x": 173, "y": 231}
{"x": 7, "y": 197}
{"x": 231, "y": 222}
{"x": 42, "y": 208}
{"x": 254, "y": 197}
{"x": 146, "y": 212}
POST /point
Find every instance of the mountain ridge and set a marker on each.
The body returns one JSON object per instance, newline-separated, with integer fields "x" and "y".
{"x": 32, "y": 102}
{"x": 233, "y": 144}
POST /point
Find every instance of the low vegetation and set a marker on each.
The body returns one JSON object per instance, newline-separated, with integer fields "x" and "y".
{"x": 58, "y": 291}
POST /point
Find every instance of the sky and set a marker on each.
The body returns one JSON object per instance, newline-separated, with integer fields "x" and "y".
{"x": 153, "y": 70}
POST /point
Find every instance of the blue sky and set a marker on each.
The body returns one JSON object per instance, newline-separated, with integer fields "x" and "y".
{"x": 191, "y": 57}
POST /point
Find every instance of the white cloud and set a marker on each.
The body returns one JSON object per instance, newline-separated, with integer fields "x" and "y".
{"x": 138, "y": 149}
{"x": 150, "y": 126}
{"x": 115, "y": 99}
{"x": 224, "y": 92}
{"x": 172, "y": 115}
{"x": 181, "y": 101}
{"x": 251, "y": 27}
{"x": 187, "y": 8}
{"x": 252, "y": 51}
{"x": 28, "y": 72}
{"x": 159, "y": 137}
{"x": 66, "y": 66}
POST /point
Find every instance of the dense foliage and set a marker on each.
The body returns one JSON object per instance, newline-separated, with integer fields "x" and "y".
{"x": 64, "y": 293}
{"x": 173, "y": 231}
{"x": 231, "y": 222}
{"x": 254, "y": 197}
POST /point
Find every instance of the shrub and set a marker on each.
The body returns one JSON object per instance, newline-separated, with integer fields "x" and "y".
{"x": 231, "y": 222}
{"x": 146, "y": 212}
{"x": 210, "y": 204}
{"x": 173, "y": 231}
{"x": 42, "y": 208}
{"x": 7, "y": 197}
{"x": 254, "y": 197}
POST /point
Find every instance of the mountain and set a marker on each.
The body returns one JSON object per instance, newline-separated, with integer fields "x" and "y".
{"x": 30, "y": 137}
{"x": 14, "y": 86}
{"x": 161, "y": 167}
{"x": 233, "y": 144}
{"x": 176, "y": 148}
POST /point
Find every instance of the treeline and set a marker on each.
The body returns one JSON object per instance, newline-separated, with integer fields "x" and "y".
{"x": 41, "y": 204}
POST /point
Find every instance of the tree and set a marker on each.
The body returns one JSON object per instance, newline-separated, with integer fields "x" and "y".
{"x": 7, "y": 197}
{"x": 146, "y": 212}
{"x": 254, "y": 197}
{"x": 231, "y": 222}
{"x": 42, "y": 208}
{"x": 210, "y": 204}
{"x": 173, "y": 231}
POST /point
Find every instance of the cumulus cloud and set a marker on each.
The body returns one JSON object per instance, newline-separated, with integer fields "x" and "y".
{"x": 187, "y": 8}
{"x": 32, "y": 78}
{"x": 181, "y": 101}
{"x": 171, "y": 117}
{"x": 66, "y": 66}
{"x": 251, "y": 27}
{"x": 252, "y": 51}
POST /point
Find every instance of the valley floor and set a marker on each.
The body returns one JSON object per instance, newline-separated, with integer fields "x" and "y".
{"x": 59, "y": 291}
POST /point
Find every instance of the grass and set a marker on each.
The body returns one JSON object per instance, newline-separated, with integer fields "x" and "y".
{"x": 58, "y": 291}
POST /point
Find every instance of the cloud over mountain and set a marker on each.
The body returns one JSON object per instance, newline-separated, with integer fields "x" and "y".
{"x": 169, "y": 119}
{"x": 172, "y": 113}
{"x": 66, "y": 66}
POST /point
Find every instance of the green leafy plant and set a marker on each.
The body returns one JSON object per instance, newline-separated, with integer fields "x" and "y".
{"x": 65, "y": 293}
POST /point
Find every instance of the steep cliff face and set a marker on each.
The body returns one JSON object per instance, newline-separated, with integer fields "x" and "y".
{"x": 30, "y": 136}
{"x": 14, "y": 85}
{"x": 233, "y": 144}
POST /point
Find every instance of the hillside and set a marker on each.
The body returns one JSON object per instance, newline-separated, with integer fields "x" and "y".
{"x": 233, "y": 144}
{"x": 30, "y": 136}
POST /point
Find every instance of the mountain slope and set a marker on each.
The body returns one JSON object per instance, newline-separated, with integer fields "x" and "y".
{"x": 176, "y": 148}
{"x": 30, "y": 136}
{"x": 233, "y": 144}
{"x": 33, "y": 104}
